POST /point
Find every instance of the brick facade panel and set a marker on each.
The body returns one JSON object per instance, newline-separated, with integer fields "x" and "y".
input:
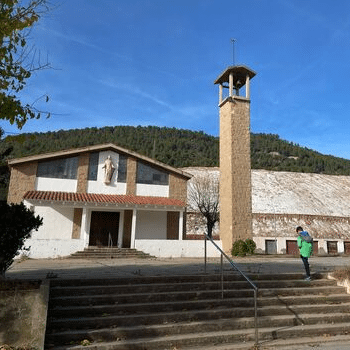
{"x": 22, "y": 180}
{"x": 177, "y": 187}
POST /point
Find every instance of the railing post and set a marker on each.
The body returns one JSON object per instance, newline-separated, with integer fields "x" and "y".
{"x": 223, "y": 254}
{"x": 110, "y": 243}
{"x": 256, "y": 316}
{"x": 205, "y": 254}
{"x": 222, "y": 277}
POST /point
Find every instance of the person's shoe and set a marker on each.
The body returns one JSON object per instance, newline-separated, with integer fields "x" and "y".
{"x": 308, "y": 278}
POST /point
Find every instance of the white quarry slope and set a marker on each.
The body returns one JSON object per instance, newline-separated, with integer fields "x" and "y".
{"x": 278, "y": 192}
{"x": 300, "y": 193}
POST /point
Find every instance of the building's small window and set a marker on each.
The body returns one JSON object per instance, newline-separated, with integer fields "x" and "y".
{"x": 64, "y": 168}
{"x": 93, "y": 166}
{"x": 152, "y": 176}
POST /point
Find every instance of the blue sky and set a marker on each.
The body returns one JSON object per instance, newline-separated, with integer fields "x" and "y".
{"x": 154, "y": 62}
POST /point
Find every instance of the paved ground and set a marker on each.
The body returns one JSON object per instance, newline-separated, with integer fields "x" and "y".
{"x": 83, "y": 268}
{"x": 104, "y": 268}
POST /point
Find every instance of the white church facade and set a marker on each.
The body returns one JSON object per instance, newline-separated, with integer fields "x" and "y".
{"x": 103, "y": 196}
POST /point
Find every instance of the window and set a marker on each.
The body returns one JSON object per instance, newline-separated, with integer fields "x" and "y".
{"x": 64, "y": 168}
{"x": 93, "y": 167}
{"x": 149, "y": 175}
{"x": 122, "y": 168}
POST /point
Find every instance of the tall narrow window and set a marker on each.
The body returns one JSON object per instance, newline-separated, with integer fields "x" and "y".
{"x": 122, "y": 168}
{"x": 93, "y": 166}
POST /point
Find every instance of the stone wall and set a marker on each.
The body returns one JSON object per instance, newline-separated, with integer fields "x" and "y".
{"x": 131, "y": 176}
{"x": 83, "y": 171}
{"x": 22, "y": 180}
{"x": 177, "y": 187}
{"x": 196, "y": 226}
{"x": 284, "y": 225}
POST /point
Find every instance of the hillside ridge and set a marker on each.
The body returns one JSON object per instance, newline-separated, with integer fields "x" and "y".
{"x": 179, "y": 148}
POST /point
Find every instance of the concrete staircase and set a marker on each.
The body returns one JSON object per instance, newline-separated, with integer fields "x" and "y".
{"x": 108, "y": 253}
{"x": 188, "y": 312}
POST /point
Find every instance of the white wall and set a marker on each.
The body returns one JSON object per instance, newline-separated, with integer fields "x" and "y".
{"x": 52, "y": 248}
{"x": 151, "y": 225}
{"x": 177, "y": 249}
{"x": 54, "y": 238}
{"x": 58, "y": 185}
{"x": 57, "y": 223}
{"x": 152, "y": 190}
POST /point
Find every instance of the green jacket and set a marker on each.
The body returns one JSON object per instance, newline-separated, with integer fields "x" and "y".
{"x": 304, "y": 247}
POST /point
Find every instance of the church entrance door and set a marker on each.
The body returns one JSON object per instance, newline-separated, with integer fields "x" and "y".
{"x": 104, "y": 224}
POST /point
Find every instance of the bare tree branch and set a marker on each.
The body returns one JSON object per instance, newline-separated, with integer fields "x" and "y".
{"x": 203, "y": 197}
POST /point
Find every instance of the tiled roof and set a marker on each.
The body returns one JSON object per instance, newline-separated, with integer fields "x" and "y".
{"x": 92, "y": 198}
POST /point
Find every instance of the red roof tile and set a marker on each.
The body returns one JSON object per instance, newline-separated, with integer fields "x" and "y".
{"x": 94, "y": 198}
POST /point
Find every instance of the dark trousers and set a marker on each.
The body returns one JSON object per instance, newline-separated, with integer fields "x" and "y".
{"x": 306, "y": 265}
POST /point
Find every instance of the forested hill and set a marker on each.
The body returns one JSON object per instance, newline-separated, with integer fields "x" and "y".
{"x": 180, "y": 148}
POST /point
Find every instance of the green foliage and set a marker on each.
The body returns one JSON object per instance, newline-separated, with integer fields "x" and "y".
{"x": 269, "y": 152}
{"x": 16, "y": 62}
{"x": 242, "y": 248}
{"x": 251, "y": 246}
{"x": 239, "y": 248}
{"x": 175, "y": 147}
{"x": 16, "y": 224}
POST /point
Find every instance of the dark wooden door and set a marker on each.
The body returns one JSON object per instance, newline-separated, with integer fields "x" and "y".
{"x": 104, "y": 223}
{"x": 292, "y": 247}
{"x": 332, "y": 247}
{"x": 347, "y": 247}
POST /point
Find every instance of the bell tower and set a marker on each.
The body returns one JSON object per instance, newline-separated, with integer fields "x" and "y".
{"x": 235, "y": 165}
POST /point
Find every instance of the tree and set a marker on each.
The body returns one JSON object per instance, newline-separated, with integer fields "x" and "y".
{"x": 16, "y": 224}
{"x": 4, "y": 170}
{"x": 17, "y": 60}
{"x": 203, "y": 197}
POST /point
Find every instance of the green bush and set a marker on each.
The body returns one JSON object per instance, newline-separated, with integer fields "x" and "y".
{"x": 242, "y": 248}
{"x": 251, "y": 246}
{"x": 239, "y": 248}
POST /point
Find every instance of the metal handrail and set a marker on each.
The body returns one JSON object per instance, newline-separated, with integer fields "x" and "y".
{"x": 110, "y": 243}
{"x": 255, "y": 288}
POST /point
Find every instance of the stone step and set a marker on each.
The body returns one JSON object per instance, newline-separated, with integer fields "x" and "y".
{"x": 103, "y": 253}
{"x": 173, "y": 312}
{"x": 157, "y": 316}
{"x": 208, "y": 277}
{"x": 279, "y": 286}
{"x": 179, "y": 295}
{"x": 141, "y": 306}
{"x": 226, "y": 337}
{"x": 127, "y": 333}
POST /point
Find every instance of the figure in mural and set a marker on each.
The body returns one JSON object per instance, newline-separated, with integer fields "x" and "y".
{"x": 109, "y": 170}
{"x": 305, "y": 244}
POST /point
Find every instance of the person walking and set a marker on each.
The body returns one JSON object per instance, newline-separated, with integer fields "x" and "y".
{"x": 305, "y": 244}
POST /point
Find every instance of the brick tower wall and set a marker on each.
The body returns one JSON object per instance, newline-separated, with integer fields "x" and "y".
{"x": 235, "y": 168}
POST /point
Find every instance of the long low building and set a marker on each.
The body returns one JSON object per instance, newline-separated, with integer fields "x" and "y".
{"x": 281, "y": 201}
